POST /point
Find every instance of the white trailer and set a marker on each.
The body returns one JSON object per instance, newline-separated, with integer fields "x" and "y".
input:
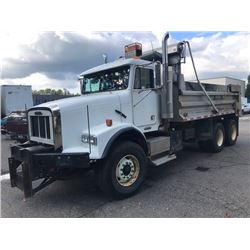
{"x": 133, "y": 113}
{"x": 15, "y": 98}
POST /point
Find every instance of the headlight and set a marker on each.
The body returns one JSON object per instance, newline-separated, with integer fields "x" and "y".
{"x": 89, "y": 139}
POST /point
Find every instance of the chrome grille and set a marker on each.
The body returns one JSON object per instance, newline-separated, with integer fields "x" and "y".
{"x": 40, "y": 126}
{"x": 45, "y": 126}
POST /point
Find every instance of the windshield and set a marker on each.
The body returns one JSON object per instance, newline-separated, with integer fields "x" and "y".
{"x": 108, "y": 80}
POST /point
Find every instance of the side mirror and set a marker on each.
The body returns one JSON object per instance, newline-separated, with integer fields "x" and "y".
{"x": 80, "y": 79}
{"x": 157, "y": 75}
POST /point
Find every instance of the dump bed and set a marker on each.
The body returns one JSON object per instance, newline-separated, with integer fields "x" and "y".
{"x": 191, "y": 103}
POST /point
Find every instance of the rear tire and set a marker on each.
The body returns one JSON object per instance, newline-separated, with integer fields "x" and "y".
{"x": 231, "y": 132}
{"x": 216, "y": 144}
{"x": 123, "y": 171}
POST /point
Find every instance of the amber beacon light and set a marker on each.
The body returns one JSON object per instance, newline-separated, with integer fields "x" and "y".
{"x": 133, "y": 50}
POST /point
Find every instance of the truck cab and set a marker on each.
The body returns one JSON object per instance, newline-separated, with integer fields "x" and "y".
{"x": 132, "y": 81}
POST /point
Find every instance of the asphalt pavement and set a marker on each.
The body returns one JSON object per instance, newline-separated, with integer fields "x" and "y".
{"x": 196, "y": 184}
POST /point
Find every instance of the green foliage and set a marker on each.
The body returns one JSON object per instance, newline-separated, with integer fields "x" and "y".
{"x": 247, "y": 93}
{"x": 59, "y": 92}
{"x": 50, "y": 91}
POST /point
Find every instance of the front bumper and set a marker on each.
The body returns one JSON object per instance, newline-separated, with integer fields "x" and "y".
{"x": 30, "y": 162}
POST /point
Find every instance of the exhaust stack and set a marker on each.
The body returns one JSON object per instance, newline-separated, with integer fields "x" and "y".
{"x": 167, "y": 89}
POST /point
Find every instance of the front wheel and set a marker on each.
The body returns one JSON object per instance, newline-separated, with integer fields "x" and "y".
{"x": 123, "y": 171}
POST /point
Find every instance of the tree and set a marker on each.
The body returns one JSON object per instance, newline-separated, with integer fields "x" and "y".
{"x": 49, "y": 91}
{"x": 41, "y": 92}
{"x": 247, "y": 93}
{"x": 59, "y": 92}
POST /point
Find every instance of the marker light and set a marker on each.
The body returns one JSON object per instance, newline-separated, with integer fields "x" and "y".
{"x": 109, "y": 122}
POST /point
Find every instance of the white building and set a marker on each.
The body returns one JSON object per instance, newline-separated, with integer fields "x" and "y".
{"x": 226, "y": 81}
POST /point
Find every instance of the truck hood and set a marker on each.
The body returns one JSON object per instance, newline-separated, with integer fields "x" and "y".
{"x": 80, "y": 100}
{"x": 85, "y": 114}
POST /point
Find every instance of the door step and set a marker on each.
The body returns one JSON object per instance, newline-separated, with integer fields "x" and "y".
{"x": 158, "y": 145}
{"x": 164, "y": 159}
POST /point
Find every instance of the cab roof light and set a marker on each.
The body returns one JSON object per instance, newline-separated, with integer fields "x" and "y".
{"x": 133, "y": 50}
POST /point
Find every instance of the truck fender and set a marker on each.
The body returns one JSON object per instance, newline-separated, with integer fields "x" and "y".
{"x": 129, "y": 133}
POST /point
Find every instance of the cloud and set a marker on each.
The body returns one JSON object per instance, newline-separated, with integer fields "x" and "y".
{"x": 57, "y": 53}
{"x": 54, "y": 59}
{"x": 41, "y": 81}
{"x": 220, "y": 55}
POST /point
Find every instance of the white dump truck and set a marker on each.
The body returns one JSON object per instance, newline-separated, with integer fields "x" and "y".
{"x": 134, "y": 113}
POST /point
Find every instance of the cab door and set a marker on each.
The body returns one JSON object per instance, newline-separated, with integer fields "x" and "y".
{"x": 145, "y": 100}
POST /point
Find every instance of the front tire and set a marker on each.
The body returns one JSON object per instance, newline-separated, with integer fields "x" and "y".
{"x": 124, "y": 170}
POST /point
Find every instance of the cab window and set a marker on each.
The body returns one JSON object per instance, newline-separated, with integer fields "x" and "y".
{"x": 106, "y": 80}
{"x": 144, "y": 78}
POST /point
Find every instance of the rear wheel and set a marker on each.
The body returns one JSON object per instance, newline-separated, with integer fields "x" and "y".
{"x": 231, "y": 132}
{"x": 123, "y": 171}
{"x": 216, "y": 144}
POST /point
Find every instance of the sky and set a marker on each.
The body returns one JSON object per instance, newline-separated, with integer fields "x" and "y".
{"x": 55, "y": 59}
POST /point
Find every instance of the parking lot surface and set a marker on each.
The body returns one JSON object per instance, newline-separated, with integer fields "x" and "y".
{"x": 196, "y": 184}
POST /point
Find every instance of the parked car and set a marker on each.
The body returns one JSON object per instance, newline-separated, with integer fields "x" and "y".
{"x": 15, "y": 125}
{"x": 245, "y": 108}
{"x": 3, "y": 125}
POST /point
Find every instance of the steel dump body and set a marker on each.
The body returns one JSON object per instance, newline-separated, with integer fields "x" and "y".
{"x": 190, "y": 103}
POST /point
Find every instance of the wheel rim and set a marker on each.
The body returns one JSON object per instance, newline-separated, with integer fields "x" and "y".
{"x": 127, "y": 170}
{"x": 219, "y": 137}
{"x": 233, "y": 132}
